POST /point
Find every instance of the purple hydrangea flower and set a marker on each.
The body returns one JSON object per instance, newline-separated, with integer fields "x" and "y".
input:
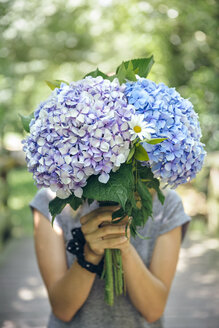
{"x": 177, "y": 159}
{"x": 81, "y": 130}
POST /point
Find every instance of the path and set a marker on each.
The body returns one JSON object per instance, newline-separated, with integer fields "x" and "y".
{"x": 23, "y": 299}
{"x": 194, "y": 300}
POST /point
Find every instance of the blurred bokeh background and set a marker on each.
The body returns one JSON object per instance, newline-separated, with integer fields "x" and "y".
{"x": 61, "y": 39}
{"x": 65, "y": 39}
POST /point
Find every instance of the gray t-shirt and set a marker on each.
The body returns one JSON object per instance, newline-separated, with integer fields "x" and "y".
{"x": 95, "y": 313}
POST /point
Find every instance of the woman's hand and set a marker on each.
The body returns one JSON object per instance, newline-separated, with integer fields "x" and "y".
{"x": 100, "y": 233}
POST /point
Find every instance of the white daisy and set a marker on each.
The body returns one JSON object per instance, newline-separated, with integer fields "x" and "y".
{"x": 140, "y": 128}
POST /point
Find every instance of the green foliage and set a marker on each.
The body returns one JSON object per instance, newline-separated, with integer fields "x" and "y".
{"x": 57, "y": 204}
{"x": 139, "y": 66}
{"x": 128, "y": 69}
{"x": 21, "y": 191}
{"x": 140, "y": 153}
{"x": 155, "y": 184}
{"x": 116, "y": 190}
{"x": 75, "y": 202}
{"x": 155, "y": 141}
{"x": 122, "y": 188}
{"x": 121, "y": 73}
{"x": 148, "y": 179}
{"x": 125, "y": 73}
{"x": 25, "y": 120}
{"x": 97, "y": 72}
{"x": 118, "y": 214}
{"x": 55, "y": 84}
{"x": 130, "y": 156}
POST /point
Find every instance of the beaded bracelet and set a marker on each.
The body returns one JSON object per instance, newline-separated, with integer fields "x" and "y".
{"x": 76, "y": 246}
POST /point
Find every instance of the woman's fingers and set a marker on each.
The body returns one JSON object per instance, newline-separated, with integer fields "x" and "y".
{"x": 92, "y": 215}
{"x": 115, "y": 242}
{"x": 124, "y": 221}
{"x": 112, "y": 243}
{"x": 106, "y": 231}
{"x": 92, "y": 224}
{"x": 84, "y": 219}
{"x": 108, "y": 237}
{"x": 100, "y": 233}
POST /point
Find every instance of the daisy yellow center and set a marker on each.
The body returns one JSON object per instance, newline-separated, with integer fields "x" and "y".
{"x": 137, "y": 128}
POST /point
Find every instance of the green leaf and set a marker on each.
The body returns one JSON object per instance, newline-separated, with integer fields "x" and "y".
{"x": 90, "y": 201}
{"x": 141, "y": 154}
{"x": 131, "y": 154}
{"x": 25, "y": 120}
{"x": 140, "y": 65}
{"x": 133, "y": 230}
{"x": 126, "y": 72}
{"x": 118, "y": 215}
{"x": 121, "y": 74}
{"x": 155, "y": 141}
{"x": 146, "y": 199}
{"x": 137, "y": 217}
{"x": 140, "y": 216}
{"x": 131, "y": 204}
{"x": 57, "y": 205}
{"x": 130, "y": 73}
{"x": 145, "y": 172}
{"x": 117, "y": 188}
{"x": 144, "y": 193}
{"x": 55, "y": 84}
{"x": 155, "y": 184}
{"x": 97, "y": 73}
{"x": 76, "y": 202}
{"x": 142, "y": 237}
{"x": 147, "y": 177}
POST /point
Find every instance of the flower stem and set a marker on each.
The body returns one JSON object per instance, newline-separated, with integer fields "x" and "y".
{"x": 115, "y": 273}
{"x": 119, "y": 271}
{"x": 109, "y": 290}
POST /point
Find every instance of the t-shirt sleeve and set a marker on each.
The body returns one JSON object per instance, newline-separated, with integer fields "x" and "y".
{"x": 41, "y": 203}
{"x": 173, "y": 214}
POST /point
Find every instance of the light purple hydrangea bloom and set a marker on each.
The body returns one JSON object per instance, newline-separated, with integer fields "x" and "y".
{"x": 81, "y": 130}
{"x": 177, "y": 159}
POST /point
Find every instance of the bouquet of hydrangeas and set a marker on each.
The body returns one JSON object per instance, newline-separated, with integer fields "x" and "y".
{"x": 112, "y": 138}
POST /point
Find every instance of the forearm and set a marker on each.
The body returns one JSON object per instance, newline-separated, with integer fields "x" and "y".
{"x": 147, "y": 293}
{"x": 70, "y": 292}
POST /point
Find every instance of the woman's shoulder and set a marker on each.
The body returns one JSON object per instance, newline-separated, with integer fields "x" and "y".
{"x": 41, "y": 201}
{"x": 172, "y": 203}
{"x": 44, "y": 195}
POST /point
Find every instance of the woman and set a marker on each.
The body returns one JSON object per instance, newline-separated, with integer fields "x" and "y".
{"x": 77, "y": 295}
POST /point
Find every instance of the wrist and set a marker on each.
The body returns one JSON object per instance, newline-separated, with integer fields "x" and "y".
{"x": 90, "y": 256}
{"x": 126, "y": 252}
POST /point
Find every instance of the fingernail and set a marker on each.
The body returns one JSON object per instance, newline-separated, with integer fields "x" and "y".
{"x": 123, "y": 238}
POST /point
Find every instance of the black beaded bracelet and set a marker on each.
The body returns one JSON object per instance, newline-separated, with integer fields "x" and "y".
{"x": 76, "y": 246}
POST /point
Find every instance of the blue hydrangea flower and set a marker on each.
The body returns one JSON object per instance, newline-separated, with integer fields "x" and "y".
{"x": 179, "y": 158}
{"x": 82, "y": 129}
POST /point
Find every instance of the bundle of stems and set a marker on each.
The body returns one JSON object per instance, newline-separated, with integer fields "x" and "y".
{"x": 112, "y": 271}
{"x": 113, "y": 275}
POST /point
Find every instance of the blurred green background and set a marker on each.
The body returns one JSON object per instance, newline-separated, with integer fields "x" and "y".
{"x": 65, "y": 39}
